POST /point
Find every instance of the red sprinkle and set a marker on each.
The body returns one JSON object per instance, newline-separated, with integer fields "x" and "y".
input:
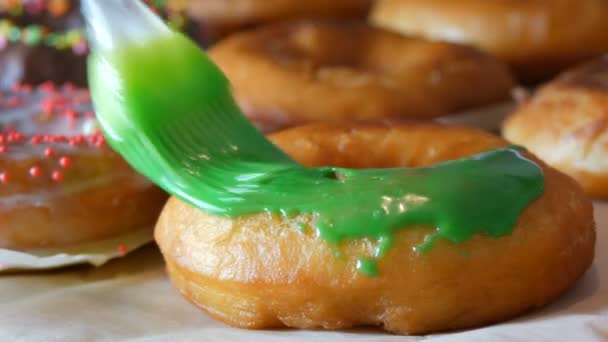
{"x": 49, "y": 152}
{"x": 19, "y": 136}
{"x": 2, "y": 138}
{"x": 4, "y": 177}
{"x": 57, "y": 176}
{"x": 35, "y": 171}
{"x": 65, "y": 162}
{"x": 70, "y": 114}
{"x": 122, "y": 249}
{"x": 77, "y": 140}
{"x": 101, "y": 142}
{"x": 3, "y": 148}
{"x": 58, "y": 138}
{"x": 48, "y": 87}
{"x": 47, "y": 105}
{"x": 36, "y": 139}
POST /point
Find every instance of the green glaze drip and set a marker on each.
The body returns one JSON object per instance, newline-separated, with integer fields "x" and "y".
{"x": 169, "y": 111}
{"x": 368, "y": 267}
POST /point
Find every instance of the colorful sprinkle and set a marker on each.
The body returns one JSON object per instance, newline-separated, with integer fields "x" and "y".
{"x": 4, "y": 177}
{"x": 74, "y": 39}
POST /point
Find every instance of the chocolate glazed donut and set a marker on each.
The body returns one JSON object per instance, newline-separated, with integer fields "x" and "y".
{"x": 42, "y": 41}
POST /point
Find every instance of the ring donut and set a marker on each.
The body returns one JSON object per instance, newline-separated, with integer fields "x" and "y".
{"x": 60, "y": 184}
{"x": 263, "y": 271}
{"x": 537, "y": 38}
{"x": 293, "y": 73}
{"x": 566, "y": 124}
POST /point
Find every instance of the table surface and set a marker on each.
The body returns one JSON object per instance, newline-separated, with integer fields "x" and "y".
{"x": 132, "y": 299}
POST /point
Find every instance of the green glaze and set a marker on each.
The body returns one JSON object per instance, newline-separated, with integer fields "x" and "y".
{"x": 169, "y": 111}
{"x": 368, "y": 267}
{"x": 302, "y": 228}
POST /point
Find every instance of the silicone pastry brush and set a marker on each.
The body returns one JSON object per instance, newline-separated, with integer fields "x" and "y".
{"x": 169, "y": 111}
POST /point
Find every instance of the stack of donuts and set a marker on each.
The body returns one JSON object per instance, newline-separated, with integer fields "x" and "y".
{"x": 343, "y": 83}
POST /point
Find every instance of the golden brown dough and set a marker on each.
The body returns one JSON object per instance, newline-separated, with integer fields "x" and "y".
{"x": 216, "y": 18}
{"x": 538, "y": 38}
{"x": 305, "y": 71}
{"x": 262, "y": 272}
{"x": 566, "y": 124}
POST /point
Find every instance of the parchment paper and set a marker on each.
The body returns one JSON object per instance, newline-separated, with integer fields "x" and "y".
{"x": 131, "y": 299}
{"x": 489, "y": 118}
{"x": 94, "y": 253}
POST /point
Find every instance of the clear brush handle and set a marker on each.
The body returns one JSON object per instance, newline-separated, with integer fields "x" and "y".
{"x": 115, "y": 23}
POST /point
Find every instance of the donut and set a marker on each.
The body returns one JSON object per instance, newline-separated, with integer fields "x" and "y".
{"x": 60, "y": 184}
{"x": 566, "y": 124}
{"x": 537, "y": 38}
{"x": 264, "y": 271}
{"x": 292, "y": 73}
{"x": 280, "y": 72}
{"x": 210, "y": 20}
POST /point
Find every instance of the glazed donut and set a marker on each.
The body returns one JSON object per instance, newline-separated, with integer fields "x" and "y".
{"x": 566, "y": 124}
{"x": 213, "y": 19}
{"x": 60, "y": 184}
{"x": 538, "y": 38}
{"x": 292, "y": 73}
{"x": 263, "y": 271}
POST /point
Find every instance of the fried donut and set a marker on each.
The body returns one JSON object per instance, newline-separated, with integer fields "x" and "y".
{"x": 213, "y": 19}
{"x": 59, "y": 183}
{"x": 262, "y": 271}
{"x": 293, "y": 73}
{"x": 538, "y": 38}
{"x": 566, "y": 124}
